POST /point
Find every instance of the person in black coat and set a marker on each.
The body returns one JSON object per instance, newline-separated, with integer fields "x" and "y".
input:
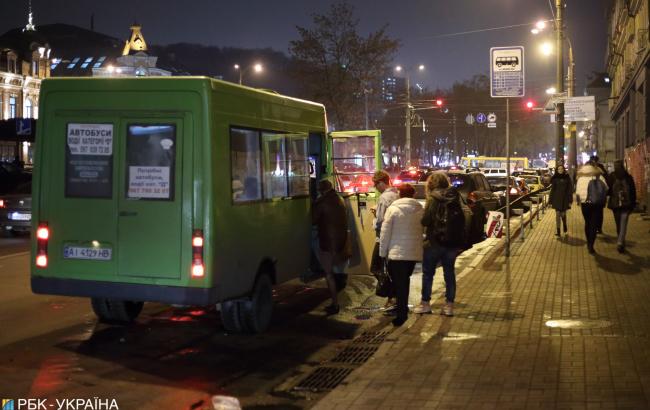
{"x": 561, "y": 197}
{"x": 622, "y": 200}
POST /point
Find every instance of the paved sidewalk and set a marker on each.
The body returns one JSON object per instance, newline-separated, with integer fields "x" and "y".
{"x": 552, "y": 328}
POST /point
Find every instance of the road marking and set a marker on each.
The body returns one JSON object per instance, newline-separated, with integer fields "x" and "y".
{"x": 13, "y": 255}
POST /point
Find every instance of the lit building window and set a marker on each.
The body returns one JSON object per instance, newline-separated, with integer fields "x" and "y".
{"x": 73, "y": 62}
{"x": 99, "y": 62}
{"x": 55, "y": 62}
{"x": 28, "y": 109}
{"x": 86, "y": 62}
{"x": 11, "y": 63}
{"x": 12, "y": 107}
{"x": 35, "y": 68}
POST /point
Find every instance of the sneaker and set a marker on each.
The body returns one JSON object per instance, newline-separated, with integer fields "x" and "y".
{"x": 332, "y": 309}
{"x": 557, "y": 233}
{"x": 620, "y": 249}
{"x": 423, "y": 307}
{"x": 592, "y": 251}
{"x": 389, "y": 307}
{"x": 447, "y": 309}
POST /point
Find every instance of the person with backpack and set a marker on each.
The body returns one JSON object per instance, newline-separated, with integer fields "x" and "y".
{"x": 622, "y": 200}
{"x": 388, "y": 194}
{"x": 400, "y": 242}
{"x": 600, "y": 211}
{"x": 445, "y": 220}
{"x": 561, "y": 197}
{"x": 591, "y": 194}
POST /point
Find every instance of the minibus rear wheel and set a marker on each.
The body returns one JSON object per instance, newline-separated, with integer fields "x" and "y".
{"x": 116, "y": 311}
{"x": 258, "y": 310}
{"x": 231, "y": 316}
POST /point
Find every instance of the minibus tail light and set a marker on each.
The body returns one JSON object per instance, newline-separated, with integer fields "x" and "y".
{"x": 2, "y": 203}
{"x": 198, "y": 269}
{"x": 42, "y": 237}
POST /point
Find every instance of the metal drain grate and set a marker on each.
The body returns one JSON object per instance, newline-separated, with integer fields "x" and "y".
{"x": 324, "y": 378}
{"x": 371, "y": 338}
{"x": 355, "y": 354}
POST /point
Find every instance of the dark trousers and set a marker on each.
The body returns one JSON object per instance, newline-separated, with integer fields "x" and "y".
{"x": 590, "y": 214}
{"x": 600, "y": 214}
{"x": 400, "y": 272}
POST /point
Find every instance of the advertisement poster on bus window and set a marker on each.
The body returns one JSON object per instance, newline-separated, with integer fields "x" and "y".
{"x": 89, "y": 160}
{"x": 149, "y": 182}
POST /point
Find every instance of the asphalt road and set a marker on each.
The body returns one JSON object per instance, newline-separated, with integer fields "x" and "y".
{"x": 172, "y": 357}
{"x": 178, "y": 357}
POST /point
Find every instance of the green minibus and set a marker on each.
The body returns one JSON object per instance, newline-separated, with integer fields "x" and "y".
{"x": 180, "y": 190}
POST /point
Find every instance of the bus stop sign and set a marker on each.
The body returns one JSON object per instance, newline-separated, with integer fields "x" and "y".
{"x": 507, "y": 72}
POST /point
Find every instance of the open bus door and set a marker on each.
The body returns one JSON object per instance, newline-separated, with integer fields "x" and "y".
{"x": 355, "y": 156}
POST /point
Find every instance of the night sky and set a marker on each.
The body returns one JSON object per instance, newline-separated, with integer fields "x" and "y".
{"x": 420, "y": 25}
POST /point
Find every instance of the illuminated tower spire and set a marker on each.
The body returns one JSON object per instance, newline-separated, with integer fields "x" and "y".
{"x": 30, "y": 20}
{"x": 136, "y": 42}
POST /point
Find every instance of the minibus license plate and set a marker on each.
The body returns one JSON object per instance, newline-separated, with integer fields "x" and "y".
{"x": 77, "y": 252}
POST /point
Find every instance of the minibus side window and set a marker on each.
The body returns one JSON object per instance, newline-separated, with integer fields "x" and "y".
{"x": 298, "y": 165}
{"x": 275, "y": 166}
{"x": 150, "y": 161}
{"x": 245, "y": 161}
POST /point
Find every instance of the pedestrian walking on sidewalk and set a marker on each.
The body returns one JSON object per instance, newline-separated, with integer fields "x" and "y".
{"x": 600, "y": 210}
{"x": 444, "y": 221}
{"x": 329, "y": 216}
{"x": 561, "y": 197}
{"x": 622, "y": 200}
{"x": 591, "y": 194}
{"x": 400, "y": 242}
{"x": 389, "y": 194}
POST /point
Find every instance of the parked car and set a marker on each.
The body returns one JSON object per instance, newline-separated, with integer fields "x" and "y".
{"x": 11, "y": 176}
{"x": 494, "y": 171}
{"x": 411, "y": 176}
{"x": 534, "y": 182}
{"x": 475, "y": 188}
{"x": 16, "y": 210}
{"x": 516, "y": 189}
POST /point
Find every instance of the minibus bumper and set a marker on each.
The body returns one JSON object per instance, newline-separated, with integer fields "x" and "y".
{"x": 174, "y": 295}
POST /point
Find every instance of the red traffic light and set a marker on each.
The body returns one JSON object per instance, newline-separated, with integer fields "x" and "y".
{"x": 439, "y": 102}
{"x": 530, "y": 104}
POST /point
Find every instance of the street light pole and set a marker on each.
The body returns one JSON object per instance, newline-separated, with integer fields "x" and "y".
{"x": 407, "y": 122}
{"x": 573, "y": 142}
{"x": 559, "y": 79}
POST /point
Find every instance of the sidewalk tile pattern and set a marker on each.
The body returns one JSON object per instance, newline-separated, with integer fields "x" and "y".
{"x": 500, "y": 351}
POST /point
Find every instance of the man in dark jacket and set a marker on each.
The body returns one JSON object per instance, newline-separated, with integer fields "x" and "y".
{"x": 329, "y": 216}
{"x": 561, "y": 197}
{"x": 622, "y": 200}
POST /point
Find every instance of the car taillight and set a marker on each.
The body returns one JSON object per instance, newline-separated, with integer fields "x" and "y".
{"x": 42, "y": 237}
{"x": 397, "y": 182}
{"x": 472, "y": 198}
{"x": 513, "y": 191}
{"x": 2, "y": 203}
{"x": 198, "y": 269}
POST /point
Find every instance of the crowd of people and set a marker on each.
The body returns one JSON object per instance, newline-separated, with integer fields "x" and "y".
{"x": 595, "y": 189}
{"x": 436, "y": 233}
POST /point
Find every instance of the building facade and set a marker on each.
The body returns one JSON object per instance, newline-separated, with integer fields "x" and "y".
{"x": 628, "y": 51}
{"x": 24, "y": 62}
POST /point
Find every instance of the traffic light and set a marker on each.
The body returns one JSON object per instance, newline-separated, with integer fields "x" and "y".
{"x": 439, "y": 102}
{"x": 530, "y": 104}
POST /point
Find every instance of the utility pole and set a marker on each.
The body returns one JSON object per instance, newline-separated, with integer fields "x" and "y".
{"x": 407, "y": 122}
{"x": 455, "y": 140}
{"x": 559, "y": 79}
{"x": 572, "y": 160}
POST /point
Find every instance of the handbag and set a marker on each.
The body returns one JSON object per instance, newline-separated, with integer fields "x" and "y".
{"x": 385, "y": 288}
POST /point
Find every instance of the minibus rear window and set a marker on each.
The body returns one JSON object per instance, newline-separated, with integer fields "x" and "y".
{"x": 89, "y": 161}
{"x": 150, "y": 161}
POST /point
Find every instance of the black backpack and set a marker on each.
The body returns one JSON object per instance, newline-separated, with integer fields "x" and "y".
{"x": 621, "y": 194}
{"x": 450, "y": 220}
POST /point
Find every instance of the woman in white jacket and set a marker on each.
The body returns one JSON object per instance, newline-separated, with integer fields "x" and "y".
{"x": 400, "y": 241}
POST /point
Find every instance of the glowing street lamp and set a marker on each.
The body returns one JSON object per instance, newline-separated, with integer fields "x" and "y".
{"x": 407, "y": 122}
{"x": 551, "y": 90}
{"x": 257, "y": 67}
{"x": 546, "y": 48}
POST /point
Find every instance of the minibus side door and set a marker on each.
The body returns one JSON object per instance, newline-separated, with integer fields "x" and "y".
{"x": 151, "y": 198}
